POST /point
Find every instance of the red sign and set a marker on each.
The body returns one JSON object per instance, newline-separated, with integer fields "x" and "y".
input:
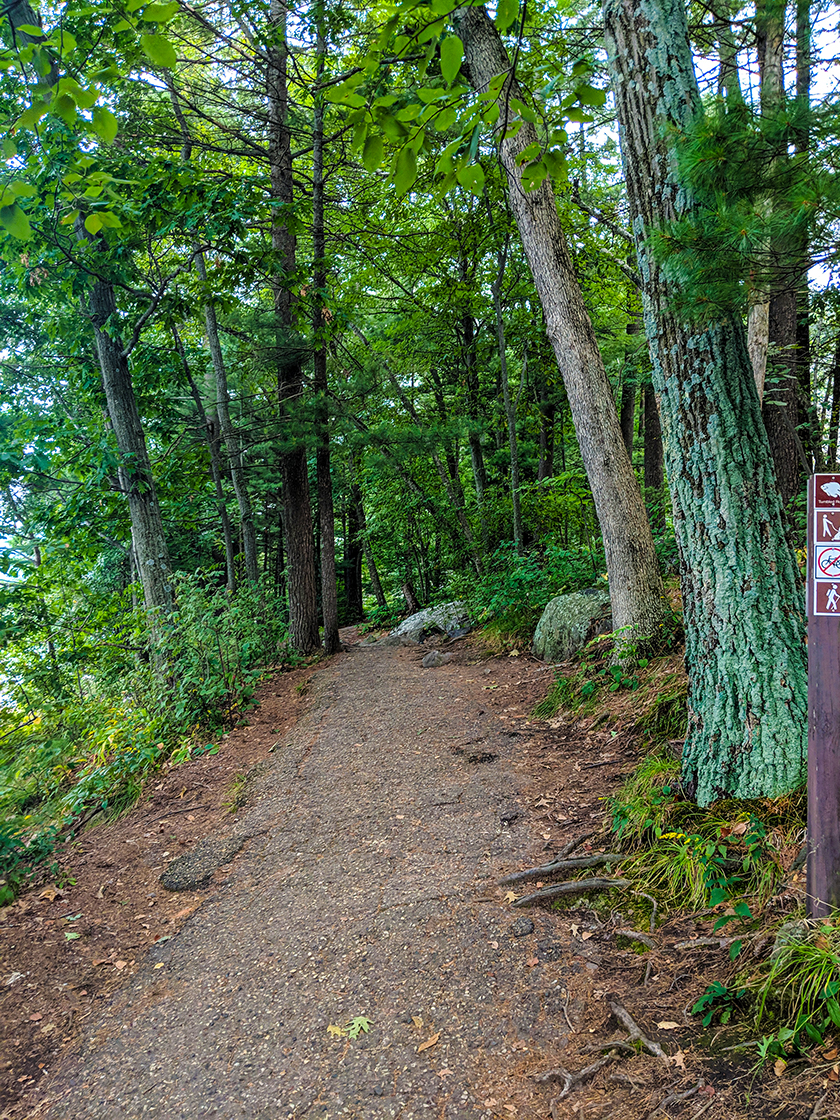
{"x": 827, "y": 561}
{"x": 827, "y": 491}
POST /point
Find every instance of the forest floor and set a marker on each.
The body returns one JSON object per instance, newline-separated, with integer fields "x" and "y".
{"x": 367, "y": 814}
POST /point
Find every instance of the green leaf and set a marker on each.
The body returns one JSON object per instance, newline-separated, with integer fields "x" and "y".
{"x": 72, "y": 936}
{"x": 105, "y": 124}
{"x": 30, "y": 29}
{"x": 717, "y": 896}
{"x": 406, "y": 171}
{"x": 30, "y": 117}
{"x": 160, "y": 13}
{"x": 372, "y": 153}
{"x": 445, "y": 119}
{"x": 15, "y": 222}
{"x": 21, "y": 189}
{"x": 589, "y": 95}
{"x": 159, "y": 51}
{"x": 63, "y": 40}
{"x": 472, "y": 178}
{"x": 533, "y": 174}
{"x": 393, "y": 129}
{"x": 578, "y": 116}
{"x": 357, "y": 1025}
{"x": 506, "y": 12}
{"x": 735, "y": 948}
{"x": 93, "y": 223}
{"x": 451, "y": 57}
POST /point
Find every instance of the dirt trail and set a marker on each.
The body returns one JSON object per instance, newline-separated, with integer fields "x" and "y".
{"x": 368, "y": 887}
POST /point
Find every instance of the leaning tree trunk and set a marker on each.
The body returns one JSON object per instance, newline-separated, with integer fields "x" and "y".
{"x": 742, "y": 594}
{"x": 147, "y": 535}
{"x": 297, "y": 509}
{"x": 634, "y": 579}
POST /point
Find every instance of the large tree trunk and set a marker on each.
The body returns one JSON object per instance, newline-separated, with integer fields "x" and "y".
{"x": 147, "y": 535}
{"x": 635, "y": 583}
{"x": 742, "y": 595}
{"x": 326, "y": 512}
{"x": 297, "y": 520}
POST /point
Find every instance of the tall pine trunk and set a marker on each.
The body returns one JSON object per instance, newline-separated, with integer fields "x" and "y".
{"x": 326, "y": 512}
{"x": 297, "y": 511}
{"x": 742, "y": 594}
{"x": 635, "y": 583}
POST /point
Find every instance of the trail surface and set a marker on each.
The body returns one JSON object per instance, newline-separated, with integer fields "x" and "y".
{"x": 376, "y": 834}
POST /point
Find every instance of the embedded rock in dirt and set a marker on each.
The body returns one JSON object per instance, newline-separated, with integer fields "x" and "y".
{"x": 451, "y": 619}
{"x": 569, "y": 622}
{"x": 196, "y": 868}
{"x": 435, "y": 659}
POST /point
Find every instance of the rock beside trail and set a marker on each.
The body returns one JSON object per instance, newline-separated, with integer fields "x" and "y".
{"x": 195, "y": 868}
{"x": 570, "y": 621}
{"x": 435, "y": 659}
{"x": 451, "y": 619}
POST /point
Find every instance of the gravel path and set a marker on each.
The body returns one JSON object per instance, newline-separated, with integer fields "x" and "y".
{"x": 366, "y": 887}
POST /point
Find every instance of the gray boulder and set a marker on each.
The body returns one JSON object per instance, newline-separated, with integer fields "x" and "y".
{"x": 451, "y": 619}
{"x": 570, "y": 621}
{"x": 435, "y": 659}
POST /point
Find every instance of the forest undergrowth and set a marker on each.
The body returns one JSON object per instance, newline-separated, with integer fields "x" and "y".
{"x": 738, "y": 865}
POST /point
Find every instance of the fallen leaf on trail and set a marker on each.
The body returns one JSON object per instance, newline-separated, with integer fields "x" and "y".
{"x": 531, "y": 961}
{"x": 159, "y": 964}
{"x": 668, "y": 1026}
{"x": 494, "y": 944}
{"x": 190, "y": 817}
{"x": 679, "y": 1059}
{"x": 539, "y": 884}
{"x": 585, "y": 936}
{"x": 336, "y": 1030}
{"x": 185, "y": 913}
{"x": 490, "y": 1102}
{"x": 34, "y": 1018}
{"x": 99, "y": 893}
{"x": 740, "y": 828}
{"x": 514, "y": 653}
{"x": 428, "y": 1043}
{"x": 120, "y": 965}
{"x": 575, "y": 930}
{"x": 417, "y": 1021}
{"x": 831, "y": 1054}
{"x": 50, "y": 893}
{"x": 779, "y": 1066}
{"x": 546, "y": 836}
{"x": 72, "y": 936}
{"x": 510, "y": 896}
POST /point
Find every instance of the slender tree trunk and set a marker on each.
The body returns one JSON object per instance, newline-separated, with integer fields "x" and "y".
{"x": 297, "y": 520}
{"x": 634, "y": 579}
{"x": 210, "y": 426}
{"x": 229, "y": 435}
{"x": 370, "y": 560}
{"x": 627, "y": 415}
{"x": 510, "y": 412}
{"x": 742, "y": 596}
{"x": 353, "y": 566}
{"x": 326, "y": 512}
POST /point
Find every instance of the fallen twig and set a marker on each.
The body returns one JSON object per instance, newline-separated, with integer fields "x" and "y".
{"x": 634, "y": 1031}
{"x": 577, "y": 886}
{"x": 561, "y": 865}
{"x": 634, "y": 935}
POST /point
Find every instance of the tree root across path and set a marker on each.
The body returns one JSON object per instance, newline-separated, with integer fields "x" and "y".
{"x": 616, "y": 1048}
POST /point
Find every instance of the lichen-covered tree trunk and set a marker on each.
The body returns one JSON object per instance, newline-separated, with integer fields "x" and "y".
{"x": 742, "y": 595}
{"x": 634, "y": 579}
{"x": 147, "y": 535}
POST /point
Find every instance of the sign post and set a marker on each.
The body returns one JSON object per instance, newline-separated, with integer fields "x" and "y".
{"x": 823, "y": 694}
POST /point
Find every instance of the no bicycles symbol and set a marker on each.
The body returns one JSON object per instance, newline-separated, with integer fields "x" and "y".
{"x": 827, "y": 562}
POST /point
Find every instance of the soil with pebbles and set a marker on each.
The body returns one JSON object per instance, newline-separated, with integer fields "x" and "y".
{"x": 359, "y": 879}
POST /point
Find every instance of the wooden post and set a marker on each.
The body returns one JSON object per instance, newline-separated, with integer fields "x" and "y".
{"x": 823, "y": 694}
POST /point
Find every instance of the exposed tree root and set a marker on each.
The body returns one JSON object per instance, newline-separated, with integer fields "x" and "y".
{"x": 676, "y": 1098}
{"x": 552, "y": 868}
{"x": 577, "y": 886}
{"x": 634, "y": 1031}
{"x": 634, "y": 935}
{"x": 571, "y": 1080}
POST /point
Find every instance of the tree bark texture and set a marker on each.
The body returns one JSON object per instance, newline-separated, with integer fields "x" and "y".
{"x": 634, "y": 579}
{"x": 742, "y": 596}
{"x": 297, "y": 520}
{"x": 147, "y": 535}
